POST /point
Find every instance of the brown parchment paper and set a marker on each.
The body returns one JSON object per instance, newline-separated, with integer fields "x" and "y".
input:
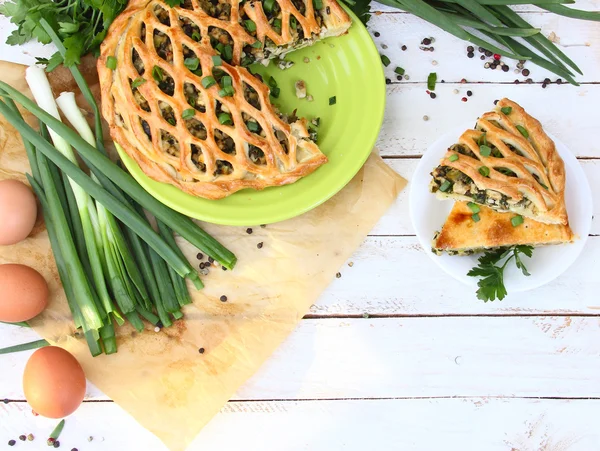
{"x": 161, "y": 378}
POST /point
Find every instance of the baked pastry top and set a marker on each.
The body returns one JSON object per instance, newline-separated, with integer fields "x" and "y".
{"x": 461, "y": 235}
{"x": 182, "y": 106}
{"x": 507, "y": 163}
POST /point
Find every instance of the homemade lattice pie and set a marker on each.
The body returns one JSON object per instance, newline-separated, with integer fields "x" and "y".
{"x": 507, "y": 163}
{"x": 462, "y": 235}
{"x": 179, "y": 101}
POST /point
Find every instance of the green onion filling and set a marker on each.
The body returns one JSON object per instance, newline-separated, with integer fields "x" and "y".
{"x": 484, "y": 170}
{"x": 517, "y": 220}
{"x": 486, "y": 151}
{"x": 111, "y": 62}
{"x": 506, "y": 110}
{"x": 523, "y": 131}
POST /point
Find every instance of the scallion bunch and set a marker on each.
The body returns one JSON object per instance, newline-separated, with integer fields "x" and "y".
{"x": 113, "y": 264}
{"x": 493, "y": 25}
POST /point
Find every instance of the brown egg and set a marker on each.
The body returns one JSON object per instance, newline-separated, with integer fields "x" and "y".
{"x": 53, "y": 382}
{"x": 23, "y": 293}
{"x": 18, "y": 211}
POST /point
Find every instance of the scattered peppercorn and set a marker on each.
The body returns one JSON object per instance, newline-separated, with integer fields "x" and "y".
{"x": 470, "y": 49}
{"x": 12, "y": 443}
{"x": 248, "y": 231}
{"x": 201, "y": 350}
{"x": 223, "y": 268}
{"x": 5, "y": 401}
{"x": 463, "y": 81}
{"x": 529, "y": 81}
{"x": 260, "y": 245}
{"x": 351, "y": 264}
{"x": 517, "y": 82}
{"x": 425, "y": 118}
{"x": 74, "y": 449}
{"x": 211, "y": 260}
{"x": 90, "y": 438}
{"x": 470, "y": 54}
{"x": 199, "y": 256}
{"x": 544, "y": 85}
{"x": 525, "y": 72}
{"x": 399, "y": 77}
{"x": 559, "y": 81}
{"x": 377, "y": 34}
{"x": 469, "y": 93}
{"x": 497, "y": 56}
{"x": 406, "y": 77}
{"x": 223, "y": 298}
{"x": 482, "y": 57}
{"x": 455, "y": 91}
{"x": 547, "y": 80}
{"x": 426, "y": 41}
{"x": 435, "y": 63}
{"x": 383, "y": 46}
{"x": 403, "y": 48}
{"x": 30, "y": 437}
{"x": 338, "y": 275}
{"x": 496, "y": 102}
{"x": 488, "y": 53}
{"x": 56, "y": 444}
{"x": 388, "y": 81}
{"x": 505, "y": 68}
{"x": 432, "y": 95}
{"x": 464, "y": 99}
{"x": 22, "y": 437}
{"x": 486, "y": 65}
{"x": 201, "y": 265}
{"x": 481, "y": 50}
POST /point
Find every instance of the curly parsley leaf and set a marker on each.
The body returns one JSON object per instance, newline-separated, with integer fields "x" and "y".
{"x": 80, "y": 24}
{"x": 491, "y": 285}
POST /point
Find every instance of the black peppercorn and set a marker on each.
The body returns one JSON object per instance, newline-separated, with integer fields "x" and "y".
{"x": 223, "y": 298}
{"x": 338, "y": 275}
{"x": 470, "y": 54}
{"x": 12, "y": 443}
{"x": 22, "y": 437}
{"x": 488, "y": 53}
{"x": 260, "y": 245}
{"x": 558, "y": 81}
{"x": 505, "y": 68}
{"x": 496, "y": 102}
{"x": 249, "y": 231}
{"x": 432, "y": 95}
{"x": 376, "y": 34}
{"x": 404, "y": 48}
{"x": 470, "y": 49}
{"x": 201, "y": 351}
{"x": 481, "y": 50}
{"x": 482, "y": 57}
{"x": 388, "y": 81}
{"x": 426, "y": 41}
{"x": 56, "y": 444}
{"x": 199, "y": 256}
{"x": 211, "y": 260}
{"x": 469, "y": 93}
{"x": 399, "y": 77}
{"x": 525, "y": 72}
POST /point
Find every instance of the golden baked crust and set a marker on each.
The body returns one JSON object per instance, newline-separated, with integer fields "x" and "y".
{"x": 208, "y": 141}
{"x": 524, "y": 173}
{"x": 461, "y": 234}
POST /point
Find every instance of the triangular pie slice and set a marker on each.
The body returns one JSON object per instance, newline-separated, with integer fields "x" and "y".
{"x": 186, "y": 115}
{"x": 461, "y": 234}
{"x": 506, "y": 163}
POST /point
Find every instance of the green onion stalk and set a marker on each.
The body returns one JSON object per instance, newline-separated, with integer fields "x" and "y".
{"x": 493, "y": 25}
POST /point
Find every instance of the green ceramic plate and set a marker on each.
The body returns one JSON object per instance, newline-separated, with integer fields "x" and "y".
{"x": 347, "y": 68}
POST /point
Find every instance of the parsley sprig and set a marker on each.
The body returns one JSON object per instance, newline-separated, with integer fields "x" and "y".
{"x": 80, "y": 24}
{"x": 491, "y": 268}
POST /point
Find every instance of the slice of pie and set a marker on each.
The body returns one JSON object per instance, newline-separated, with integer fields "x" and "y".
{"x": 507, "y": 163}
{"x": 179, "y": 101}
{"x": 462, "y": 234}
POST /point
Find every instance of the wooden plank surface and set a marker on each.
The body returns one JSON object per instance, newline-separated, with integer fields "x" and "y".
{"x": 553, "y": 356}
{"x": 466, "y": 424}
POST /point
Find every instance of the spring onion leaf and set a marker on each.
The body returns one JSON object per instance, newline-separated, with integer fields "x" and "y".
{"x": 484, "y": 170}
{"x": 523, "y": 131}
{"x": 516, "y": 220}
{"x": 474, "y": 207}
{"x": 475, "y": 217}
{"x": 111, "y": 62}
{"x": 506, "y": 110}
{"x": 24, "y": 347}
{"x": 453, "y": 157}
{"x": 486, "y": 151}
{"x": 385, "y": 60}
{"x": 431, "y": 81}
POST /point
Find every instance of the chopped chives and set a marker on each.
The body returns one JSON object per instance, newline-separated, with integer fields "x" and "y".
{"x": 226, "y": 81}
{"x": 453, "y": 157}
{"x": 252, "y": 126}
{"x": 484, "y": 170}
{"x": 157, "y": 74}
{"x": 275, "y": 92}
{"x": 431, "y": 81}
{"x": 256, "y": 44}
{"x": 506, "y": 110}
{"x": 138, "y": 82}
{"x": 191, "y": 63}
{"x": 399, "y": 70}
{"x": 225, "y": 119}
{"x": 227, "y": 52}
{"x": 272, "y": 82}
{"x": 475, "y": 217}
{"x": 516, "y": 220}
{"x": 332, "y": 100}
{"x": 318, "y": 4}
{"x": 208, "y": 81}
{"x": 111, "y": 62}
{"x": 188, "y": 114}
{"x": 217, "y": 61}
{"x": 445, "y": 186}
{"x": 227, "y": 91}
{"x": 486, "y": 151}
{"x": 268, "y": 5}
{"x": 523, "y": 131}
{"x": 473, "y": 207}
{"x": 196, "y": 36}
{"x": 250, "y": 25}
{"x": 385, "y": 60}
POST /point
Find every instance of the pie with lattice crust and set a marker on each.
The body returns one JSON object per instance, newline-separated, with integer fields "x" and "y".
{"x": 506, "y": 163}
{"x": 179, "y": 100}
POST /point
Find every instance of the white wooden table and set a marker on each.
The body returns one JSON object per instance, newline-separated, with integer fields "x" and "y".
{"x": 396, "y": 355}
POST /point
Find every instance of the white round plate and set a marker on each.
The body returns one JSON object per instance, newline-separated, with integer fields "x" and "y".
{"x": 428, "y": 214}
